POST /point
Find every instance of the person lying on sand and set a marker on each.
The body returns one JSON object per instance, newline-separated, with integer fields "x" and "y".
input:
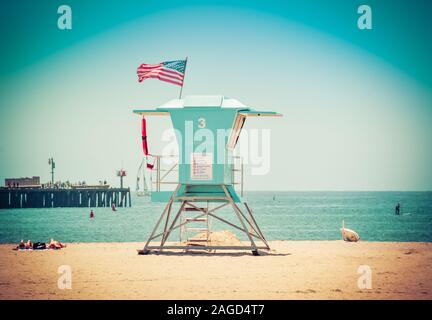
{"x": 28, "y": 245}
{"x": 53, "y": 244}
{"x": 24, "y": 245}
{"x": 21, "y": 245}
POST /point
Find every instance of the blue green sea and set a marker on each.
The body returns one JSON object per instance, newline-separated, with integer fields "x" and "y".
{"x": 281, "y": 215}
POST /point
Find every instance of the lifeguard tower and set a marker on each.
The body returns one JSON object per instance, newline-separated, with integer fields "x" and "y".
{"x": 207, "y": 130}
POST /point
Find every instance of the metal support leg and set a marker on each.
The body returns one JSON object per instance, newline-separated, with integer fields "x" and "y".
{"x": 168, "y": 206}
{"x": 230, "y": 199}
{"x": 173, "y": 223}
{"x": 256, "y": 225}
{"x": 166, "y": 223}
{"x": 145, "y": 250}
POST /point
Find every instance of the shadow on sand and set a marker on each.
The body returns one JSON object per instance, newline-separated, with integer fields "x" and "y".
{"x": 192, "y": 252}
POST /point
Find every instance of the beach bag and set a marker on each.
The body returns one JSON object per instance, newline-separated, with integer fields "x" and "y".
{"x": 39, "y": 246}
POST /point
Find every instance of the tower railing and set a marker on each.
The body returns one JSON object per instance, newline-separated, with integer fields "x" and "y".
{"x": 162, "y": 173}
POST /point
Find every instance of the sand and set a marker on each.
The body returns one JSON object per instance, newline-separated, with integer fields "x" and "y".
{"x": 292, "y": 270}
{"x": 219, "y": 238}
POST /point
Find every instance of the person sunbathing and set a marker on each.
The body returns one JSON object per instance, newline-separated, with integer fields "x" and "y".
{"x": 28, "y": 245}
{"x": 54, "y": 244}
{"x": 21, "y": 245}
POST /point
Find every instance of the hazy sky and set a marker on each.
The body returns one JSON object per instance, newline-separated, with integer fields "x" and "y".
{"x": 357, "y": 104}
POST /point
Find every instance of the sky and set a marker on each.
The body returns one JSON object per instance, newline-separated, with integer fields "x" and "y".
{"x": 356, "y": 104}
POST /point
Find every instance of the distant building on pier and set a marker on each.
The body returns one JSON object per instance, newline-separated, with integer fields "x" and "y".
{"x": 22, "y": 182}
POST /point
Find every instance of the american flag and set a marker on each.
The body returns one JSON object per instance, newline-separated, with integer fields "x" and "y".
{"x": 168, "y": 71}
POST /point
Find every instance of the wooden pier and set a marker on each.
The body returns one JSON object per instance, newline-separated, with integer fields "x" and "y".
{"x": 55, "y": 198}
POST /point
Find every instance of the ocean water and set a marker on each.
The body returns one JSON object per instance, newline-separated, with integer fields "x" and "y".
{"x": 281, "y": 216}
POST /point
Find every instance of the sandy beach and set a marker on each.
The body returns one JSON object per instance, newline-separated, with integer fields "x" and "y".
{"x": 291, "y": 270}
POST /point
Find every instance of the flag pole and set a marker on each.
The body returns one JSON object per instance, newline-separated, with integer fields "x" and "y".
{"x": 181, "y": 90}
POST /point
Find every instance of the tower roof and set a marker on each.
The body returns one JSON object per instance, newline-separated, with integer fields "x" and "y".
{"x": 204, "y": 101}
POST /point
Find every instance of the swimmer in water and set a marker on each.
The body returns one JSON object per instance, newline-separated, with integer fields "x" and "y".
{"x": 397, "y": 209}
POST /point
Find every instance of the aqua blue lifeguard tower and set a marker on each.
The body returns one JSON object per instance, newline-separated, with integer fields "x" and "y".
{"x": 207, "y": 131}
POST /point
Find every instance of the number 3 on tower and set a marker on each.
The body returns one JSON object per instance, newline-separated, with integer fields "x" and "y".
{"x": 201, "y": 123}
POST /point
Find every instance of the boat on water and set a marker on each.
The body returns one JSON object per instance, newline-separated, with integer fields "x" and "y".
{"x": 348, "y": 234}
{"x": 141, "y": 174}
